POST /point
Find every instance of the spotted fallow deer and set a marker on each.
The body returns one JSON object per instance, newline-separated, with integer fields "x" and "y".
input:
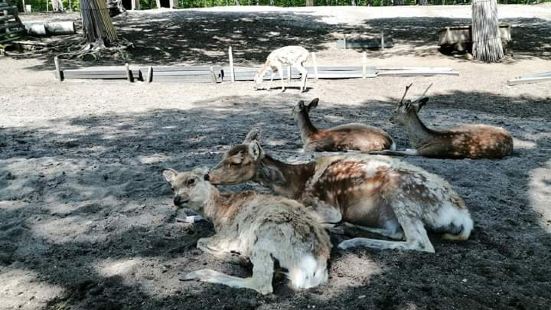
{"x": 346, "y": 137}
{"x": 294, "y": 56}
{"x": 466, "y": 141}
{"x": 378, "y": 193}
{"x": 264, "y": 228}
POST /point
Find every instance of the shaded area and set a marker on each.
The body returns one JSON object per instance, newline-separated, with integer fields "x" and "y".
{"x": 83, "y": 205}
{"x": 197, "y": 37}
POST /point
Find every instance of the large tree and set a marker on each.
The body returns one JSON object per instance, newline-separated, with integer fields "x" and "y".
{"x": 485, "y": 31}
{"x": 96, "y": 23}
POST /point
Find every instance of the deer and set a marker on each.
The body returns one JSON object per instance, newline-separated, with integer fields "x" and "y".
{"x": 379, "y": 194}
{"x": 467, "y": 141}
{"x": 263, "y": 228}
{"x": 294, "y": 56}
{"x": 353, "y": 136}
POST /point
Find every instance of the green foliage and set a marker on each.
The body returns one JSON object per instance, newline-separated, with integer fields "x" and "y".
{"x": 40, "y": 5}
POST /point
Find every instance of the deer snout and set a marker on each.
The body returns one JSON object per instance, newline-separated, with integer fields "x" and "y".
{"x": 206, "y": 177}
{"x": 179, "y": 200}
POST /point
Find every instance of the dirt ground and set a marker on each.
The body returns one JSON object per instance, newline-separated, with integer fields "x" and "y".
{"x": 87, "y": 222}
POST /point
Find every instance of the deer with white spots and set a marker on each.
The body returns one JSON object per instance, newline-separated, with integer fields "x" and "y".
{"x": 466, "y": 141}
{"x": 376, "y": 193}
{"x": 345, "y": 137}
{"x": 264, "y": 228}
{"x": 294, "y": 56}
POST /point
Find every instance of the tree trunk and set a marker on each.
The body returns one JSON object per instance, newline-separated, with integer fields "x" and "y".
{"x": 309, "y": 2}
{"x": 423, "y": 2}
{"x": 96, "y": 23}
{"x": 57, "y": 6}
{"x": 485, "y": 31}
{"x": 398, "y": 2}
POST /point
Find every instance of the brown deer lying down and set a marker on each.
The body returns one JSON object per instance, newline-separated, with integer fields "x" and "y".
{"x": 340, "y": 138}
{"x": 466, "y": 141}
{"x": 379, "y": 193}
{"x": 262, "y": 227}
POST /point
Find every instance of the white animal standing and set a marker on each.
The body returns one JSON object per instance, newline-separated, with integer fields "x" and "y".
{"x": 294, "y": 56}
{"x": 264, "y": 228}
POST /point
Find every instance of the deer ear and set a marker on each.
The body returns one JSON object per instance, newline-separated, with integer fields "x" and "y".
{"x": 313, "y": 103}
{"x": 301, "y": 104}
{"x": 421, "y": 103}
{"x": 201, "y": 170}
{"x": 170, "y": 175}
{"x": 253, "y": 135}
{"x": 255, "y": 150}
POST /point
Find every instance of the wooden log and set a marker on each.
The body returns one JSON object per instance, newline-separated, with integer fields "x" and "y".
{"x": 60, "y": 28}
{"x": 365, "y": 43}
{"x": 35, "y": 29}
{"x": 53, "y": 28}
{"x": 415, "y": 72}
{"x": 530, "y": 79}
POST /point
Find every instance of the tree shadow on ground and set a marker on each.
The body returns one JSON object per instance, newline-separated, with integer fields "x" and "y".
{"x": 198, "y": 37}
{"x": 86, "y": 209}
{"x": 530, "y": 36}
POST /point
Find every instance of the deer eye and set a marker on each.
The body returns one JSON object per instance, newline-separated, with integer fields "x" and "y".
{"x": 190, "y": 181}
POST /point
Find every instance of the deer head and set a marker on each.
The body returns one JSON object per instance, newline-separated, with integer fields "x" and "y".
{"x": 189, "y": 187}
{"x": 240, "y": 163}
{"x": 405, "y": 108}
{"x": 301, "y": 107}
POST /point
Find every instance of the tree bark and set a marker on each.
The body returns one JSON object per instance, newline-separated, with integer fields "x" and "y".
{"x": 309, "y": 2}
{"x": 96, "y": 23}
{"x": 486, "y": 38}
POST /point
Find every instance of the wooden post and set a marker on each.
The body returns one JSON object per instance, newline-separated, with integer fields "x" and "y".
{"x": 232, "y": 72}
{"x": 58, "y": 73}
{"x": 213, "y": 74}
{"x": 344, "y": 39}
{"x": 364, "y": 64}
{"x": 289, "y": 74}
{"x": 149, "y": 74}
{"x": 315, "y": 65}
{"x": 128, "y": 73}
{"x": 382, "y": 40}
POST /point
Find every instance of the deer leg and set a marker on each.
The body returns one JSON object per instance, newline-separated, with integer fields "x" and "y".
{"x": 416, "y": 237}
{"x": 304, "y": 75}
{"x": 280, "y": 70}
{"x": 261, "y": 280}
{"x": 328, "y": 215}
{"x": 385, "y": 232}
{"x": 223, "y": 249}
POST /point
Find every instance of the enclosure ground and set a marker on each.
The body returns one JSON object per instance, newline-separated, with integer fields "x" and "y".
{"x": 86, "y": 219}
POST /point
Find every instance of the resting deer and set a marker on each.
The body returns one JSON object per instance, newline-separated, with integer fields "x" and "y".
{"x": 340, "y": 138}
{"x": 378, "y": 193}
{"x": 466, "y": 141}
{"x": 262, "y": 227}
{"x": 289, "y": 55}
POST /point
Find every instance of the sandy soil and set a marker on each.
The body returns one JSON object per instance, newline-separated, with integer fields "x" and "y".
{"x": 86, "y": 219}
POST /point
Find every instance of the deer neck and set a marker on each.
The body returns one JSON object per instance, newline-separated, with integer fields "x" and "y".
{"x": 285, "y": 179}
{"x": 416, "y": 130}
{"x": 305, "y": 125}
{"x": 219, "y": 207}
